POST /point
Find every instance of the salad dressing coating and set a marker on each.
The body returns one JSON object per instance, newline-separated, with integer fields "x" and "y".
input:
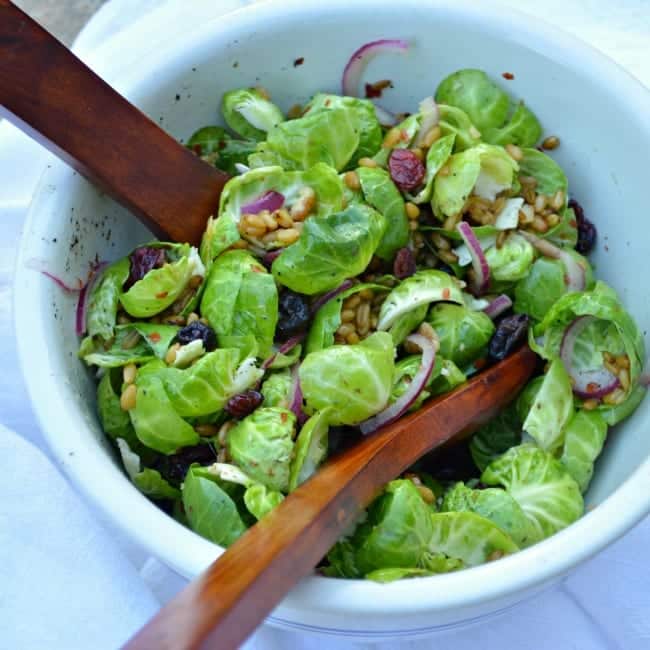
{"x": 352, "y": 272}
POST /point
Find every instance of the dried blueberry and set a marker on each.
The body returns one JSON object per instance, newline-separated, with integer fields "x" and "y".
{"x": 510, "y": 332}
{"x": 175, "y": 466}
{"x": 404, "y": 264}
{"x": 143, "y": 260}
{"x": 293, "y": 315}
{"x": 586, "y": 230}
{"x": 243, "y": 404}
{"x": 198, "y": 330}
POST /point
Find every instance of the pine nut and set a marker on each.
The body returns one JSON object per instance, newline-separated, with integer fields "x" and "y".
{"x": 129, "y": 373}
{"x": 254, "y": 231}
{"x": 413, "y": 225}
{"x": 302, "y": 208}
{"x": 624, "y": 378}
{"x": 170, "y": 357}
{"x": 283, "y": 218}
{"x": 128, "y": 397}
{"x": 366, "y": 294}
{"x": 345, "y": 329}
{"x": 271, "y": 237}
{"x": 254, "y": 220}
{"x": 440, "y": 242}
{"x": 418, "y": 153}
{"x": 526, "y": 214}
{"x": 539, "y": 224}
{"x": 239, "y": 244}
{"x": 540, "y": 202}
{"x": 558, "y": 200}
{"x": 590, "y": 404}
{"x": 207, "y": 430}
{"x": 352, "y": 338}
{"x": 363, "y": 318}
{"x": 432, "y": 136}
{"x": 392, "y": 138}
{"x": 268, "y": 220}
{"x": 426, "y": 493}
{"x": 615, "y": 397}
{"x": 192, "y": 318}
{"x": 352, "y": 302}
{"x": 514, "y": 152}
{"x": 450, "y": 222}
{"x": 367, "y": 162}
{"x": 288, "y": 236}
{"x": 412, "y": 210}
{"x": 351, "y": 179}
{"x": 501, "y": 239}
{"x": 553, "y": 219}
{"x": 222, "y": 435}
{"x": 448, "y": 257}
{"x": 623, "y": 361}
{"x": 550, "y": 143}
{"x": 347, "y": 315}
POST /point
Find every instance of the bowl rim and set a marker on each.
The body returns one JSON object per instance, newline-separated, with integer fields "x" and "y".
{"x": 526, "y": 569}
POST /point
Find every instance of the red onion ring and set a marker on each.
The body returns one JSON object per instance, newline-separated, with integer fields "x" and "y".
{"x": 419, "y": 381}
{"x": 498, "y": 306}
{"x": 287, "y": 346}
{"x": 39, "y": 265}
{"x": 430, "y": 117}
{"x": 270, "y": 201}
{"x": 82, "y": 303}
{"x": 326, "y": 297}
{"x": 359, "y": 60}
{"x": 575, "y": 276}
{"x": 479, "y": 263}
{"x": 587, "y": 384}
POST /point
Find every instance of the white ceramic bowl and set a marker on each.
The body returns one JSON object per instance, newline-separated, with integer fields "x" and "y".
{"x": 601, "y": 116}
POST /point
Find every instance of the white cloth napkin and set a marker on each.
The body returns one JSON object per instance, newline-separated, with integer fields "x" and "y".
{"x": 69, "y": 582}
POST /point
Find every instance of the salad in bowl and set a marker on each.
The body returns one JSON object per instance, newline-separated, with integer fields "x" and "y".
{"x": 360, "y": 264}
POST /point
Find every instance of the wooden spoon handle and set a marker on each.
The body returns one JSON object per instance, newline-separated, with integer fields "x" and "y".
{"x": 223, "y": 606}
{"x": 55, "y": 98}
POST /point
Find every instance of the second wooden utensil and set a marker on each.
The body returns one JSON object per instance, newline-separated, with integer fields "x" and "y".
{"x": 224, "y": 605}
{"x": 51, "y": 95}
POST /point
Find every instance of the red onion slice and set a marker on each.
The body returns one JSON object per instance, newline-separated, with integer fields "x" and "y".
{"x": 360, "y": 59}
{"x": 587, "y": 384}
{"x": 40, "y": 266}
{"x": 385, "y": 117}
{"x": 430, "y": 117}
{"x": 295, "y": 396}
{"x": 271, "y": 256}
{"x": 326, "y": 297}
{"x": 419, "y": 381}
{"x": 84, "y": 294}
{"x": 575, "y": 276}
{"x": 498, "y": 306}
{"x": 287, "y": 346}
{"x": 270, "y": 201}
{"x": 479, "y": 263}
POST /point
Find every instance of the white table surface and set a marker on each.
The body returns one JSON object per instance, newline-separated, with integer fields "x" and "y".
{"x": 585, "y": 601}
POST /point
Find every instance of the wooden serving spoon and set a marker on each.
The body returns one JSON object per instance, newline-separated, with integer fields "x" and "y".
{"x": 226, "y": 603}
{"x": 50, "y": 94}
{"x": 54, "y": 97}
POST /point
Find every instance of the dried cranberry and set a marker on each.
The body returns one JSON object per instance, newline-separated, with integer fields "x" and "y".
{"x": 175, "y": 466}
{"x": 406, "y": 169}
{"x": 293, "y": 315}
{"x": 404, "y": 264}
{"x": 143, "y": 260}
{"x": 510, "y": 332}
{"x": 586, "y": 230}
{"x": 198, "y": 330}
{"x": 244, "y": 404}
